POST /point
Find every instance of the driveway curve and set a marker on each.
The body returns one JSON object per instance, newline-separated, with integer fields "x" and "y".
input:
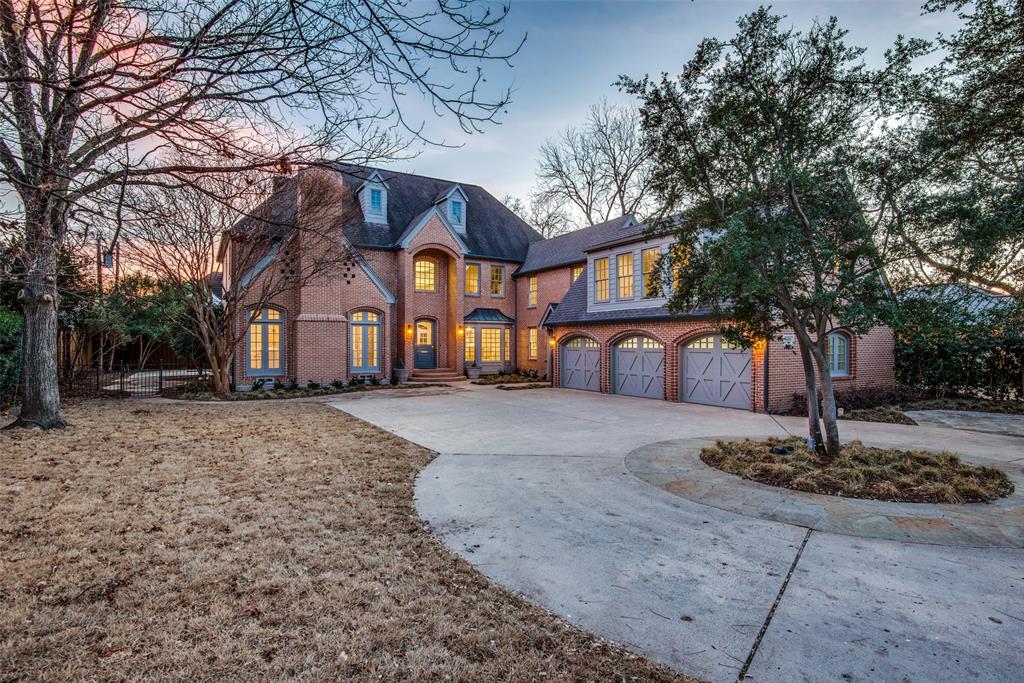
{"x": 532, "y": 488}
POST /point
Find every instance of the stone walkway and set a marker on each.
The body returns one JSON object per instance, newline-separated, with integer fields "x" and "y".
{"x": 970, "y": 420}
{"x": 675, "y": 466}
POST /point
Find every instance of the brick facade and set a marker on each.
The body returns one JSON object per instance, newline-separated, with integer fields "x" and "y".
{"x": 551, "y": 287}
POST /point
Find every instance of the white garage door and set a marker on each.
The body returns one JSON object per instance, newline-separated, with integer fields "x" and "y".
{"x": 715, "y": 372}
{"x": 640, "y": 368}
{"x": 581, "y": 364}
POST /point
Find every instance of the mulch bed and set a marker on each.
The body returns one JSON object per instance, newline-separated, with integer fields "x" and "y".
{"x": 213, "y": 542}
{"x": 861, "y": 472}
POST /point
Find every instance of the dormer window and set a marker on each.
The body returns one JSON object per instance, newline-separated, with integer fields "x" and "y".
{"x": 377, "y": 201}
{"x": 452, "y": 204}
{"x": 373, "y": 196}
{"x": 457, "y": 212}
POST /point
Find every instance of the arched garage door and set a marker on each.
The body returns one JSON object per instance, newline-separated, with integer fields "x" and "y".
{"x": 581, "y": 364}
{"x": 639, "y": 367}
{"x": 715, "y": 372}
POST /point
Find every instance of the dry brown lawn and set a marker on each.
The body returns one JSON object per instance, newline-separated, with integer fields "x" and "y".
{"x": 246, "y": 541}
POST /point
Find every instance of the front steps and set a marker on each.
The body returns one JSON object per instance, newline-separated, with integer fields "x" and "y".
{"x": 436, "y": 375}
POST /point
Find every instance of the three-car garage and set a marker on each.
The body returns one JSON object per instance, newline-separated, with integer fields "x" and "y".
{"x": 711, "y": 370}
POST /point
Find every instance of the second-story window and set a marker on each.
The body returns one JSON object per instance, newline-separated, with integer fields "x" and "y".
{"x": 650, "y": 258}
{"x": 624, "y": 275}
{"x": 576, "y": 272}
{"x": 376, "y": 201}
{"x": 473, "y": 279}
{"x": 601, "y": 279}
{"x": 497, "y": 281}
{"x": 457, "y": 212}
{"x": 424, "y": 275}
{"x": 531, "y": 293}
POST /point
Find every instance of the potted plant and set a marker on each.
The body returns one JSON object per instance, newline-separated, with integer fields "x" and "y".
{"x": 473, "y": 371}
{"x": 401, "y": 372}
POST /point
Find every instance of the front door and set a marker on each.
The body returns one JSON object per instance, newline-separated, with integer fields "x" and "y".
{"x": 426, "y": 345}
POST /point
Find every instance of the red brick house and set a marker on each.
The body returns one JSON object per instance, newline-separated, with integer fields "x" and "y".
{"x": 444, "y": 276}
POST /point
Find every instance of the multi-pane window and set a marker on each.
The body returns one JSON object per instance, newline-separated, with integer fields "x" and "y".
{"x": 532, "y": 341}
{"x": 364, "y": 328}
{"x": 425, "y": 273}
{"x": 497, "y": 280}
{"x": 473, "y": 279}
{"x": 265, "y": 343}
{"x": 601, "y": 279}
{"x": 424, "y": 332}
{"x": 457, "y": 212}
{"x": 531, "y": 295}
{"x": 490, "y": 345}
{"x": 649, "y": 257}
{"x": 576, "y": 272}
{"x": 508, "y": 344}
{"x": 680, "y": 257}
{"x": 702, "y": 343}
{"x": 624, "y": 275}
{"x": 838, "y": 350}
{"x": 376, "y": 201}
{"x": 470, "y": 344}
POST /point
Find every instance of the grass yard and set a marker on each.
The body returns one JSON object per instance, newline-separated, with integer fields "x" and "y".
{"x": 861, "y": 472}
{"x": 243, "y": 541}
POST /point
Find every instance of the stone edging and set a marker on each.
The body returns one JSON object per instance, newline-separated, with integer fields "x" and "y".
{"x": 675, "y": 466}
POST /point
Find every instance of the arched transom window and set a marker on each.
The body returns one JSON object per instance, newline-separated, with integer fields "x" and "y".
{"x": 838, "y": 352}
{"x": 364, "y": 332}
{"x": 265, "y": 336}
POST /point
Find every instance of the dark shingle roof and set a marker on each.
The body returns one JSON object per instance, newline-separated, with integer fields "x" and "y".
{"x": 487, "y": 315}
{"x": 276, "y": 215}
{"x": 573, "y": 309}
{"x": 969, "y": 298}
{"x": 492, "y": 230}
{"x": 571, "y": 247}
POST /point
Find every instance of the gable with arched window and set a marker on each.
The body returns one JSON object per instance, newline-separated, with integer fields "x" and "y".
{"x": 364, "y": 345}
{"x": 266, "y": 342}
{"x": 838, "y": 353}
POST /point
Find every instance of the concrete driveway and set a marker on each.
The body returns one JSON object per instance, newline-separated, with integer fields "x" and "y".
{"x": 531, "y": 487}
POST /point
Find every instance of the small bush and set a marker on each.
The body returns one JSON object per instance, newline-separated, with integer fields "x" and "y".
{"x": 314, "y": 386}
{"x": 292, "y": 384}
{"x": 258, "y": 384}
{"x": 338, "y": 384}
{"x": 11, "y": 325}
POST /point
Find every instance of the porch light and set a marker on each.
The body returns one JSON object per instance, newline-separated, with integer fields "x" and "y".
{"x": 458, "y": 330}
{"x": 551, "y": 342}
{"x": 408, "y": 331}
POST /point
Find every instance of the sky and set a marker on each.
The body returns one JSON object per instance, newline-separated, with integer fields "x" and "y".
{"x": 576, "y": 49}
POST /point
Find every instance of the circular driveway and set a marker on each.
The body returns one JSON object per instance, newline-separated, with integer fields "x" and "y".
{"x": 531, "y": 486}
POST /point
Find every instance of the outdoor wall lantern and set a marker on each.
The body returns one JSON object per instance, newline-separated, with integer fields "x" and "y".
{"x": 458, "y": 330}
{"x": 408, "y": 331}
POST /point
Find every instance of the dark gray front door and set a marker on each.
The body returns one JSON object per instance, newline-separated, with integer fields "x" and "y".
{"x": 715, "y": 372}
{"x": 425, "y": 344}
{"x": 639, "y": 365}
{"x": 580, "y": 364}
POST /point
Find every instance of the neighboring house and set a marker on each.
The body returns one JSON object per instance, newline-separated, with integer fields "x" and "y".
{"x": 445, "y": 276}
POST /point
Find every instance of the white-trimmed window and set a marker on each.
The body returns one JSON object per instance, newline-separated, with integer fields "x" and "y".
{"x": 470, "y": 354}
{"x": 473, "y": 279}
{"x": 531, "y": 291}
{"x": 837, "y": 349}
{"x": 364, "y": 331}
{"x": 377, "y": 201}
{"x": 457, "y": 212}
{"x": 265, "y": 343}
{"x": 601, "y": 279}
{"x": 624, "y": 275}
{"x": 425, "y": 272}
{"x": 531, "y": 338}
{"x": 490, "y": 345}
{"x": 497, "y": 280}
{"x": 649, "y": 262}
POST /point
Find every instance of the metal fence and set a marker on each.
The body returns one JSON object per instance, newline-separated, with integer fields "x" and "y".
{"x": 123, "y": 380}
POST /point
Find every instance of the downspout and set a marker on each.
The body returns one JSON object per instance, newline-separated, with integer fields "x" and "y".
{"x": 766, "y": 355}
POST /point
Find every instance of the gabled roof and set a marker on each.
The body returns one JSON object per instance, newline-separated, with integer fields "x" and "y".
{"x": 446, "y": 194}
{"x": 492, "y": 230}
{"x": 487, "y": 315}
{"x": 571, "y": 247}
{"x": 421, "y": 220}
{"x": 572, "y": 309}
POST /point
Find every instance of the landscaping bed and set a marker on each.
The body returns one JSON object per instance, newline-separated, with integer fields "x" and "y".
{"x": 861, "y": 472}
{"x": 174, "y": 541}
{"x": 888, "y": 404}
{"x": 519, "y": 385}
{"x": 506, "y": 379}
{"x": 293, "y": 392}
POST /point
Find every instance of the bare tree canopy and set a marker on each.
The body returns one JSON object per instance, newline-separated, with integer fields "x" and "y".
{"x": 599, "y": 169}
{"x": 97, "y": 93}
{"x": 546, "y": 214}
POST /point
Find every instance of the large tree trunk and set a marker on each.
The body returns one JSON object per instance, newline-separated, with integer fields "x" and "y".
{"x": 810, "y": 381}
{"x": 828, "y": 405}
{"x": 39, "y": 300}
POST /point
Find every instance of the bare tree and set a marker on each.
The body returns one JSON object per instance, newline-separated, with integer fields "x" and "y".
{"x": 545, "y": 213}
{"x": 95, "y": 93}
{"x": 182, "y": 235}
{"x": 600, "y": 169}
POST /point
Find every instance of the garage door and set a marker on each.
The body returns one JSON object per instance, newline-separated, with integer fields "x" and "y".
{"x": 640, "y": 368}
{"x": 715, "y": 372}
{"x": 581, "y": 364}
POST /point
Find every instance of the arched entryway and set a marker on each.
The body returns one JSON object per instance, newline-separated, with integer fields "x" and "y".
{"x": 638, "y": 367}
{"x": 714, "y": 372}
